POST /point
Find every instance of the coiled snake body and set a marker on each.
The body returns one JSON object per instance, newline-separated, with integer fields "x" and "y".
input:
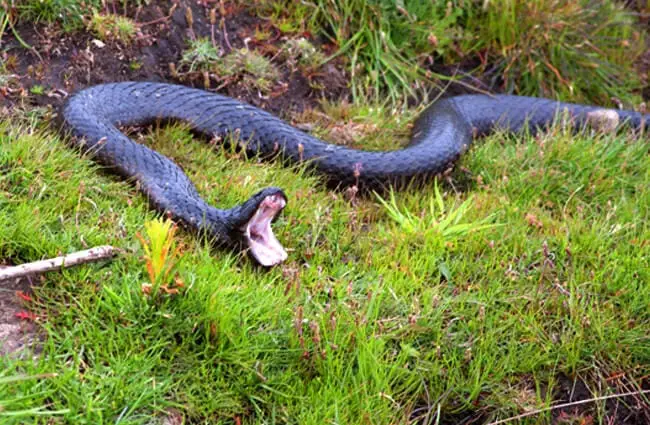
{"x": 441, "y": 134}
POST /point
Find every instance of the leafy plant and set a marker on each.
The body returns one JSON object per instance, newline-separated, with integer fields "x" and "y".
{"x": 113, "y": 27}
{"x": 162, "y": 254}
{"x": 200, "y": 55}
{"x": 253, "y": 70}
{"x": 440, "y": 218}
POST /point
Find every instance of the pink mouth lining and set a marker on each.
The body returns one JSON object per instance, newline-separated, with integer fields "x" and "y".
{"x": 262, "y": 243}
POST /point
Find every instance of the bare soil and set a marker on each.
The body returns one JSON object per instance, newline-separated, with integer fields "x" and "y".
{"x": 61, "y": 63}
{"x": 629, "y": 410}
{"x": 18, "y": 330}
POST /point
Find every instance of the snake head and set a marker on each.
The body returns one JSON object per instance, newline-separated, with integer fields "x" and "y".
{"x": 253, "y": 221}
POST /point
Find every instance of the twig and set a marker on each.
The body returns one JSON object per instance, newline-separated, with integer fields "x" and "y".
{"x": 225, "y": 34}
{"x": 73, "y": 259}
{"x": 18, "y": 38}
{"x": 155, "y": 21}
{"x": 573, "y": 403}
{"x": 162, "y": 19}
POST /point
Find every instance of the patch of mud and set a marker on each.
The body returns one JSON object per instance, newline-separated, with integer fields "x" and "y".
{"x": 628, "y": 410}
{"x": 63, "y": 63}
{"x": 580, "y": 406}
{"x": 18, "y": 332}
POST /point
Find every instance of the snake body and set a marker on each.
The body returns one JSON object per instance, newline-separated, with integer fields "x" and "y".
{"x": 440, "y": 135}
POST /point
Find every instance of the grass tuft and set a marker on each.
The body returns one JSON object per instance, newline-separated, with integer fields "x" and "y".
{"x": 439, "y": 218}
{"x": 579, "y": 50}
{"x": 200, "y": 55}
{"x": 246, "y": 67}
{"x": 576, "y": 50}
{"x": 70, "y": 13}
{"x": 113, "y": 27}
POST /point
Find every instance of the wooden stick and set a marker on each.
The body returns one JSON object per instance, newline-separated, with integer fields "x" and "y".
{"x": 73, "y": 259}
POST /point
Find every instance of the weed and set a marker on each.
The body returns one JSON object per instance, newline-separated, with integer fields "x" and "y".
{"x": 252, "y": 70}
{"x": 200, "y": 55}
{"x": 440, "y": 219}
{"x": 113, "y": 27}
{"x": 161, "y": 255}
{"x": 301, "y": 53}
{"x": 37, "y": 90}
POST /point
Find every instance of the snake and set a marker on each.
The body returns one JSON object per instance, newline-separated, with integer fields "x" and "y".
{"x": 440, "y": 135}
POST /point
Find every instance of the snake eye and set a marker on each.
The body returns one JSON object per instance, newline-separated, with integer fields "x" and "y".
{"x": 262, "y": 243}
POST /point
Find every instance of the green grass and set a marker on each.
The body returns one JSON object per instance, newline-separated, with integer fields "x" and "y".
{"x": 579, "y": 50}
{"x": 582, "y": 50}
{"x": 378, "y": 311}
{"x": 69, "y": 13}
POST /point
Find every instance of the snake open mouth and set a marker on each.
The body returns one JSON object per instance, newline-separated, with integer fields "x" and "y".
{"x": 262, "y": 243}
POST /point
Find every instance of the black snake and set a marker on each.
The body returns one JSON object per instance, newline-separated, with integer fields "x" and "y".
{"x": 440, "y": 135}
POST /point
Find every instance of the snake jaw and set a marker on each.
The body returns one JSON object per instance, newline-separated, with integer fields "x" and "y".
{"x": 262, "y": 243}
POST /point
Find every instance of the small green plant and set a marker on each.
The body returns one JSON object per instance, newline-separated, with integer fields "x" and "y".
{"x": 162, "y": 254}
{"x": 113, "y": 27}
{"x": 254, "y": 71}
{"x": 302, "y": 53}
{"x": 439, "y": 219}
{"x": 200, "y": 56}
{"x": 37, "y": 90}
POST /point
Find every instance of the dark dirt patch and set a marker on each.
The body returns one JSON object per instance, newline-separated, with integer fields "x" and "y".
{"x": 18, "y": 332}
{"x": 63, "y": 63}
{"x": 628, "y": 410}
